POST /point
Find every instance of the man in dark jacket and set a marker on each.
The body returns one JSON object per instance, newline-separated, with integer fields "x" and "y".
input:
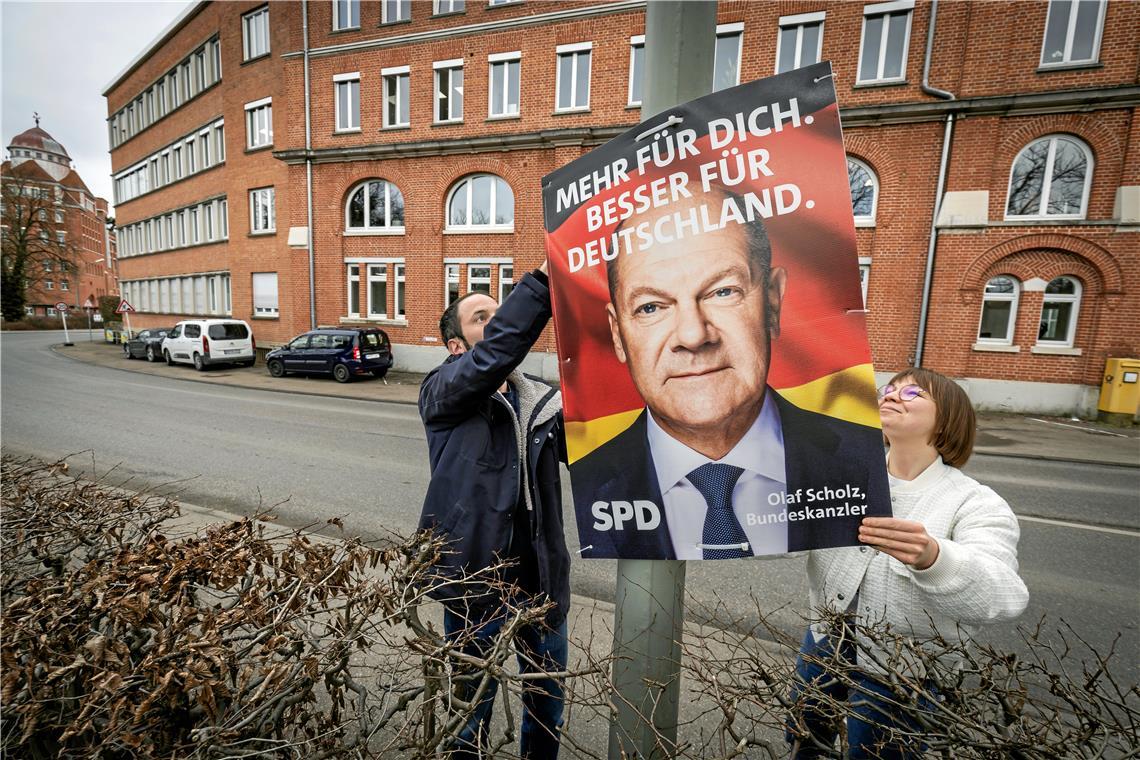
{"x": 495, "y": 440}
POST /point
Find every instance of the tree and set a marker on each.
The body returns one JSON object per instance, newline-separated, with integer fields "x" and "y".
{"x": 30, "y": 242}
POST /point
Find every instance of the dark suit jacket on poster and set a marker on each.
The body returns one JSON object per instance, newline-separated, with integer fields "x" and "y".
{"x": 819, "y": 451}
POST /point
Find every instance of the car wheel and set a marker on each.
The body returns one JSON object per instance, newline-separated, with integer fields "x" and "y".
{"x": 249, "y": 363}
{"x": 150, "y": 357}
{"x": 198, "y": 363}
{"x": 169, "y": 361}
{"x": 127, "y": 351}
{"x": 341, "y": 373}
{"x": 379, "y": 373}
{"x": 276, "y": 368}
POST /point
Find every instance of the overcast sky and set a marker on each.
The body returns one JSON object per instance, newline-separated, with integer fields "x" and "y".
{"x": 56, "y": 60}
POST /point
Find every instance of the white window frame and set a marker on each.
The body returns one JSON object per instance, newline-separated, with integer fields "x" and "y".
{"x": 339, "y": 24}
{"x": 264, "y": 309}
{"x": 636, "y": 42}
{"x": 1070, "y": 33}
{"x": 438, "y": 69}
{"x": 353, "y": 287}
{"x": 798, "y": 22}
{"x": 867, "y": 220}
{"x": 1047, "y": 180}
{"x": 1011, "y": 298}
{"x": 505, "y": 60}
{"x": 450, "y": 275}
{"x": 481, "y": 280}
{"x": 437, "y": 7}
{"x": 492, "y": 227}
{"x": 885, "y": 10}
{"x": 864, "y": 276}
{"x": 573, "y": 50}
{"x": 376, "y": 273}
{"x": 257, "y": 197}
{"x": 400, "y": 293}
{"x": 1074, "y": 299}
{"x": 342, "y": 86}
{"x": 729, "y": 30}
{"x": 367, "y": 229}
{"x": 506, "y": 277}
{"x": 393, "y": 74}
{"x": 254, "y": 32}
{"x": 400, "y": 5}
{"x": 252, "y": 113}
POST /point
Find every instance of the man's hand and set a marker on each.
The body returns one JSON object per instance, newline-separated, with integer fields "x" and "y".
{"x": 905, "y": 540}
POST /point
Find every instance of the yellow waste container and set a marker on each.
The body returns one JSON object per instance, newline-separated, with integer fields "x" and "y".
{"x": 1120, "y": 391}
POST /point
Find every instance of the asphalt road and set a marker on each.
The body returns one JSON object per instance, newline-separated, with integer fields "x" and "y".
{"x": 311, "y": 458}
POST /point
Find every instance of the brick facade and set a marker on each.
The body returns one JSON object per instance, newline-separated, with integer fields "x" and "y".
{"x": 1004, "y": 100}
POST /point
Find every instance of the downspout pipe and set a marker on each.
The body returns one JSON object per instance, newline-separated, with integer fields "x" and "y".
{"x": 948, "y": 131}
{"x": 309, "y": 169}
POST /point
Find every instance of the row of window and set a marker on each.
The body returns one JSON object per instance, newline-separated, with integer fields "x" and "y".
{"x": 1050, "y": 179}
{"x": 196, "y": 72}
{"x": 1073, "y": 34}
{"x": 204, "y": 222}
{"x": 195, "y": 294}
{"x": 50, "y": 285}
{"x": 1059, "y": 309}
{"x": 202, "y": 149}
{"x": 346, "y": 13}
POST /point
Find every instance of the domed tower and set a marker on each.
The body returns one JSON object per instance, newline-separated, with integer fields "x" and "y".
{"x": 37, "y": 145}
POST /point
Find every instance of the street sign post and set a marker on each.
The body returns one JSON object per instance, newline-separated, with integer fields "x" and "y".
{"x": 648, "y": 625}
{"x": 125, "y": 309}
{"x": 89, "y": 307}
{"x": 61, "y": 307}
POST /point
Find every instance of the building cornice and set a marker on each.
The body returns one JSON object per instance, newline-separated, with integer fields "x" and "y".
{"x": 860, "y": 116}
{"x": 550, "y": 138}
{"x": 1028, "y": 104}
{"x": 434, "y": 35}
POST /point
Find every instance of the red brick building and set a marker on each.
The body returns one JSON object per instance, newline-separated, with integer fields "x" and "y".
{"x": 73, "y": 260}
{"x": 366, "y": 162}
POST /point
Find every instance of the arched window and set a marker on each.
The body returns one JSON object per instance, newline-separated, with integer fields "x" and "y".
{"x": 1059, "y": 312}
{"x": 375, "y": 206}
{"x": 1050, "y": 178}
{"x": 481, "y": 203}
{"x": 999, "y": 310}
{"x": 864, "y": 192}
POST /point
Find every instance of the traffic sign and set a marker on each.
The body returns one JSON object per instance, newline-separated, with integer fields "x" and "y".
{"x": 61, "y": 307}
{"x": 124, "y": 307}
{"x": 88, "y": 304}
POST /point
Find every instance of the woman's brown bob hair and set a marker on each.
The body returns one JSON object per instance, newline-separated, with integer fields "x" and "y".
{"x": 955, "y": 423}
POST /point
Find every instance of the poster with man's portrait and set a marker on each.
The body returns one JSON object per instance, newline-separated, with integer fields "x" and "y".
{"x": 717, "y": 381}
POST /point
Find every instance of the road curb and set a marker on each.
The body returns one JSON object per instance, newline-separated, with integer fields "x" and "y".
{"x": 55, "y": 346}
{"x": 1044, "y": 458}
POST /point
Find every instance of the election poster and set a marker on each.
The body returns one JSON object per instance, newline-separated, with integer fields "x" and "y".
{"x": 717, "y": 382}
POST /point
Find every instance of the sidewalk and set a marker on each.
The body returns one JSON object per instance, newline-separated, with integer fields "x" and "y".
{"x": 1010, "y": 435}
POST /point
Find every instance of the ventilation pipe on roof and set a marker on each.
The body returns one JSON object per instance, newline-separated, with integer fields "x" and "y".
{"x": 309, "y": 170}
{"x": 928, "y": 279}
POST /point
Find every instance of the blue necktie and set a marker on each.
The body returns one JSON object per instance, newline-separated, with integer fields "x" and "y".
{"x": 715, "y": 482}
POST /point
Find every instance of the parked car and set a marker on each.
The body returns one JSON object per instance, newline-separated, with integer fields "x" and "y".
{"x": 344, "y": 352}
{"x": 148, "y": 343}
{"x": 203, "y": 342}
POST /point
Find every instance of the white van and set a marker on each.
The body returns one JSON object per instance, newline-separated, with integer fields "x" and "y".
{"x": 202, "y": 342}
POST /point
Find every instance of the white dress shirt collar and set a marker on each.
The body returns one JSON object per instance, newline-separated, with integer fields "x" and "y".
{"x": 760, "y": 451}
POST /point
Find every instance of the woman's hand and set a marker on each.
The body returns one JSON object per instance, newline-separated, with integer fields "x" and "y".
{"x": 543, "y": 267}
{"x": 905, "y": 540}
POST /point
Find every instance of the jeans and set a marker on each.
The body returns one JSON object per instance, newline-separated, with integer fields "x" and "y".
{"x": 542, "y": 698}
{"x": 870, "y": 721}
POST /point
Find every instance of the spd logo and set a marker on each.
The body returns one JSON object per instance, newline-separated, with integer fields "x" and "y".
{"x": 614, "y": 515}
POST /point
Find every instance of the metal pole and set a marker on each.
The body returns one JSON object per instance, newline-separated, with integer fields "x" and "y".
{"x": 66, "y": 337}
{"x": 90, "y": 337}
{"x": 680, "y": 39}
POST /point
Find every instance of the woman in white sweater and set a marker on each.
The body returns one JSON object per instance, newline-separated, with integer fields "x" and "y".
{"x": 945, "y": 563}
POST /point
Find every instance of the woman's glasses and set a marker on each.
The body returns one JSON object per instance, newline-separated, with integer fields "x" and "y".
{"x": 906, "y": 392}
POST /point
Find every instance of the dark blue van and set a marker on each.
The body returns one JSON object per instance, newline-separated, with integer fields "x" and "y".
{"x": 343, "y": 352}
